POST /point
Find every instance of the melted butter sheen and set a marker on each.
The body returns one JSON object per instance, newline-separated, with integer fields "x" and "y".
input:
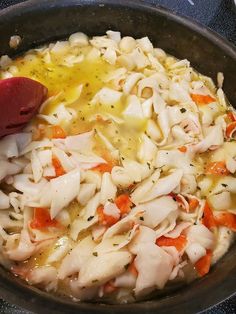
{"x": 63, "y": 82}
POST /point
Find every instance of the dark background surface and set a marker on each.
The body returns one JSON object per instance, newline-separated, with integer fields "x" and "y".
{"x": 219, "y": 15}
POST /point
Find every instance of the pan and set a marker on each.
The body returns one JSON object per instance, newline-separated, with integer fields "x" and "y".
{"x": 44, "y": 21}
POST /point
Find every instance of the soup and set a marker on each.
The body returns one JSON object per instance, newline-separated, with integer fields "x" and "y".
{"x": 124, "y": 182}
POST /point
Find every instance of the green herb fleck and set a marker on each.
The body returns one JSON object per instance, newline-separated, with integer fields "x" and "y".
{"x": 95, "y": 280}
{"x": 90, "y": 218}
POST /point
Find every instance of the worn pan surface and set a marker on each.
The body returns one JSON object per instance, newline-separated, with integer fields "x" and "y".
{"x": 44, "y": 21}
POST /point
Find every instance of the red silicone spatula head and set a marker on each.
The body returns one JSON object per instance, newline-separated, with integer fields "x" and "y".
{"x": 20, "y": 98}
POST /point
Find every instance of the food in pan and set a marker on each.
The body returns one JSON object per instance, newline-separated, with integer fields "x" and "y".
{"x": 124, "y": 183}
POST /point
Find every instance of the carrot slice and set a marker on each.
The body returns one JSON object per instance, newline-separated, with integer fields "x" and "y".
{"x": 208, "y": 219}
{"x": 106, "y": 167}
{"x": 226, "y": 219}
{"x": 179, "y": 243}
{"x": 217, "y": 168}
{"x": 124, "y": 203}
{"x": 231, "y": 116}
{"x": 55, "y": 131}
{"x": 109, "y": 287}
{"x": 42, "y": 219}
{"x": 182, "y": 149}
{"x": 203, "y": 264}
{"x": 202, "y": 99}
{"x": 57, "y": 166}
{"x": 132, "y": 269}
{"x": 193, "y": 204}
{"x": 104, "y": 219}
{"x": 230, "y": 129}
{"x": 58, "y": 132}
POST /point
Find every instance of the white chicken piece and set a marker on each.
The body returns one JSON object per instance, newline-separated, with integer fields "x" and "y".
{"x": 147, "y": 150}
{"x": 4, "y": 200}
{"x": 63, "y": 190}
{"x": 144, "y": 236}
{"x": 224, "y": 240}
{"x": 7, "y": 169}
{"x": 131, "y": 81}
{"x": 12, "y": 145}
{"x": 80, "y": 224}
{"x": 144, "y": 187}
{"x": 82, "y": 294}
{"x": 154, "y": 267}
{"x": 23, "y": 250}
{"x": 91, "y": 207}
{"x": 108, "y": 188}
{"x": 60, "y": 249}
{"x": 125, "y": 224}
{"x": 226, "y": 183}
{"x": 134, "y": 108}
{"x": 64, "y": 159}
{"x": 100, "y": 269}
{"x": 24, "y": 184}
{"x": 106, "y": 96}
{"x": 45, "y": 143}
{"x": 131, "y": 171}
{"x": 74, "y": 260}
{"x": 116, "y": 242}
{"x": 178, "y": 94}
{"x": 176, "y": 232}
{"x": 43, "y": 275}
{"x": 125, "y": 280}
{"x": 175, "y": 159}
{"x": 213, "y": 139}
{"x": 221, "y": 201}
{"x": 86, "y": 192}
{"x": 157, "y": 210}
{"x": 164, "y": 185}
{"x": 37, "y": 168}
{"x": 200, "y": 238}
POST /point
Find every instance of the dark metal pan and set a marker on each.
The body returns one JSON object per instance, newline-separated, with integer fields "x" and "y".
{"x": 44, "y": 21}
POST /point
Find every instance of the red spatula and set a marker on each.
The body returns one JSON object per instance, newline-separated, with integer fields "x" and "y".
{"x": 20, "y": 99}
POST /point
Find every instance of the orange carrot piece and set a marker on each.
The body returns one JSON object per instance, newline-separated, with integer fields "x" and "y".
{"x": 202, "y": 99}
{"x": 106, "y": 167}
{"x": 104, "y": 219}
{"x": 203, "y": 264}
{"x": 208, "y": 219}
{"x": 57, "y": 166}
{"x": 109, "y": 287}
{"x": 132, "y": 269}
{"x": 232, "y": 116}
{"x": 124, "y": 203}
{"x": 42, "y": 219}
{"x": 58, "y": 132}
{"x": 177, "y": 198}
{"x": 229, "y": 129}
{"x": 179, "y": 243}
{"x": 182, "y": 149}
{"x": 217, "y": 168}
{"x": 226, "y": 219}
{"x": 193, "y": 204}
